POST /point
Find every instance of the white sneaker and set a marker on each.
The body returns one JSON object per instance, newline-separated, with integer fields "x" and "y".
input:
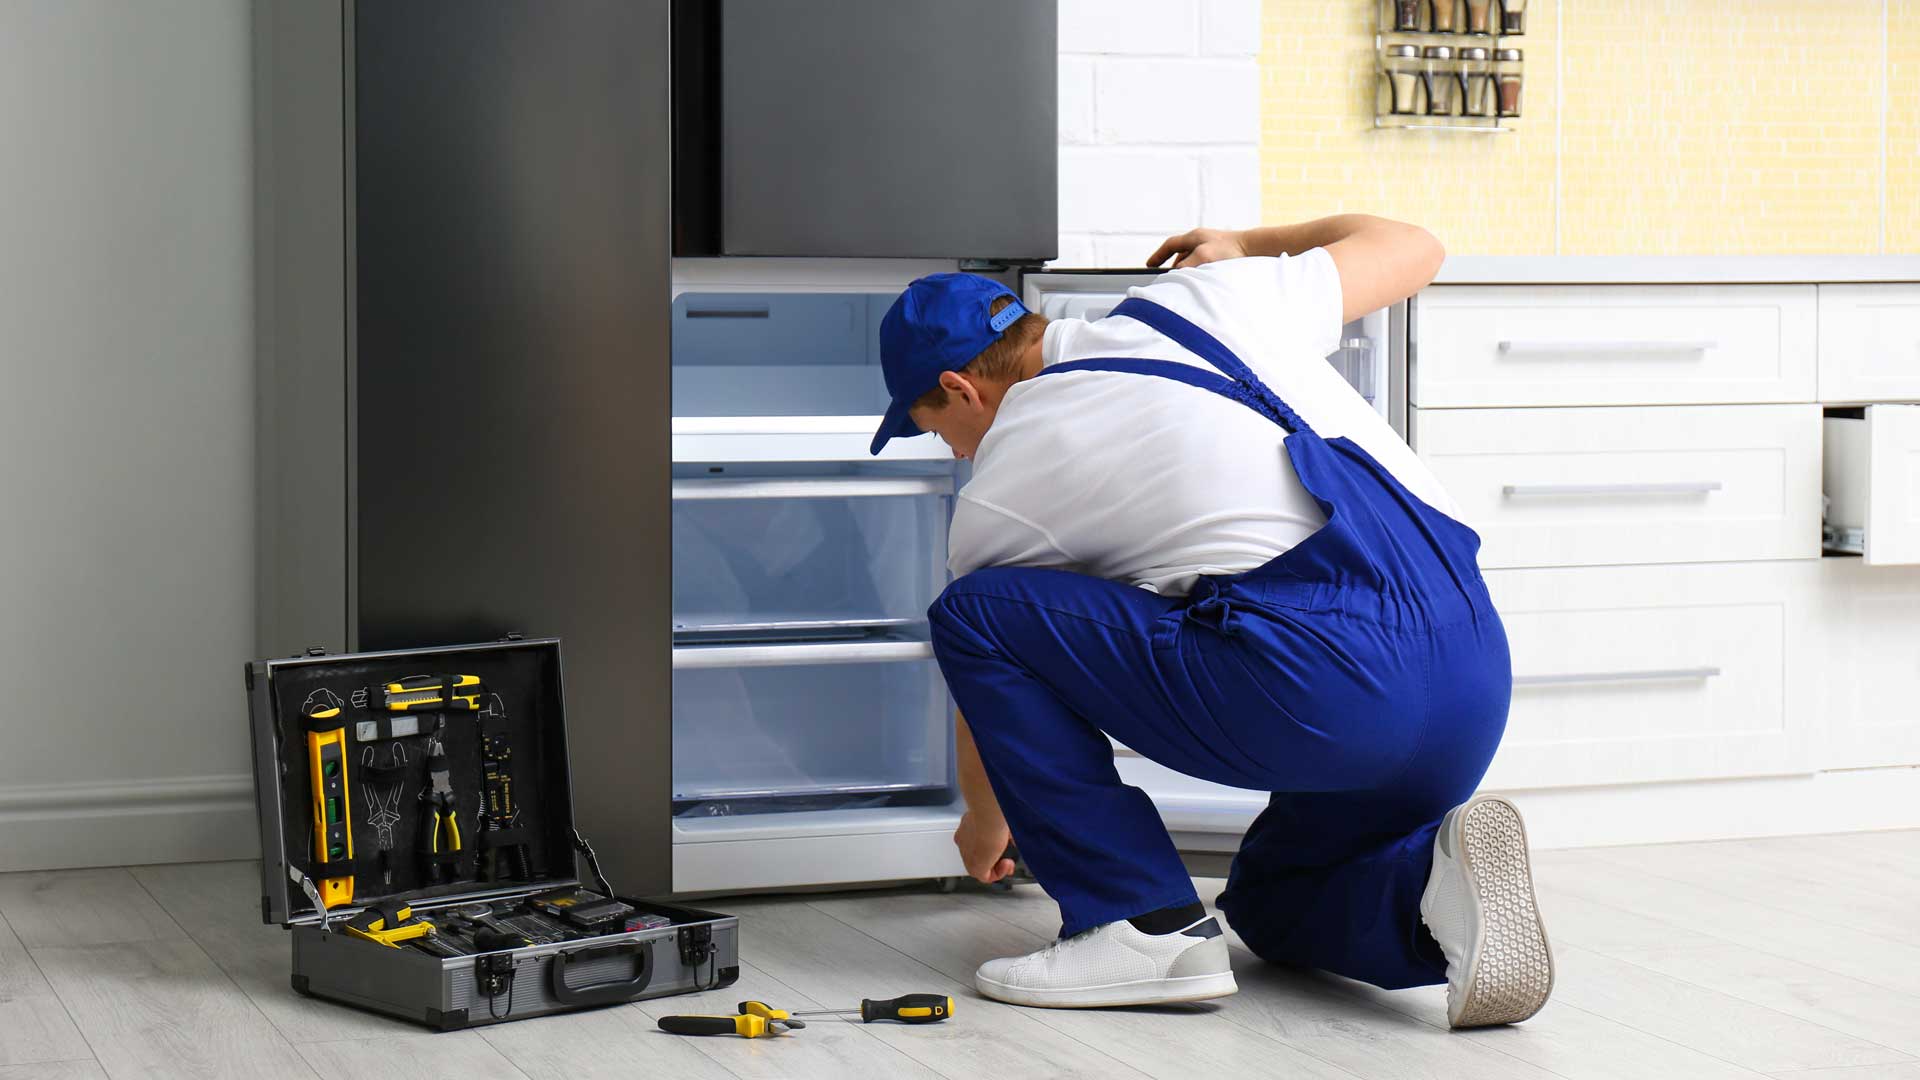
{"x": 1115, "y": 964}
{"x": 1479, "y": 905}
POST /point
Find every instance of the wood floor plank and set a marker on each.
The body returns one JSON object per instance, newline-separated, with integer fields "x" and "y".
{"x": 1859, "y": 1072}
{"x": 54, "y": 1070}
{"x": 1308, "y": 1010}
{"x": 1573, "y": 919}
{"x": 81, "y": 907}
{"x": 1779, "y": 879}
{"x": 34, "y": 1026}
{"x": 1725, "y": 1027}
{"x": 1175, "y": 1041}
{"x": 826, "y": 1049}
{"x": 460, "y": 1055}
{"x": 1840, "y": 949}
{"x": 833, "y": 963}
{"x": 218, "y": 906}
{"x": 1860, "y": 1009}
{"x": 163, "y": 1009}
{"x": 1567, "y": 1041}
{"x": 600, "y": 1044}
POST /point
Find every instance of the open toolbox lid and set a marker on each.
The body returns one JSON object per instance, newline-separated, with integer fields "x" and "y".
{"x": 518, "y": 706}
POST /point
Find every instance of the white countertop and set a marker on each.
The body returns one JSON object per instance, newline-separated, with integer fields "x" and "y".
{"x": 1674, "y": 269}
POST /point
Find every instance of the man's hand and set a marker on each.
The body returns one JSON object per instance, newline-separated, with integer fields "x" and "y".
{"x": 982, "y": 842}
{"x": 1198, "y": 246}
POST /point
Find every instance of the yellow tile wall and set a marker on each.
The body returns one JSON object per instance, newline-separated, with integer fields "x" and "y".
{"x": 1903, "y": 126}
{"x": 1682, "y": 127}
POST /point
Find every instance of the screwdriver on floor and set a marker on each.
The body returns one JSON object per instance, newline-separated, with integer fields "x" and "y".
{"x": 907, "y": 1009}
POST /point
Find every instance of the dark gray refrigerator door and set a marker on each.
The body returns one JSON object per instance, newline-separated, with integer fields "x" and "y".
{"x": 909, "y": 128}
{"x": 512, "y": 436}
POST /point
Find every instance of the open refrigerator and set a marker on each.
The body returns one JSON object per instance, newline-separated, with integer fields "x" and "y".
{"x": 812, "y": 733}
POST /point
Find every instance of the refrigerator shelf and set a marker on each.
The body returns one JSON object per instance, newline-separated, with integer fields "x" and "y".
{"x": 790, "y": 628}
{"x": 812, "y": 487}
{"x": 810, "y": 654}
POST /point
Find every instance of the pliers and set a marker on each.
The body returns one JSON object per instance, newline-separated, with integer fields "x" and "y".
{"x": 756, "y": 1019}
{"x": 438, "y": 798}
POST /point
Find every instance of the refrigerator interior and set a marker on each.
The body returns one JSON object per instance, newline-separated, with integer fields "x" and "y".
{"x": 809, "y": 716}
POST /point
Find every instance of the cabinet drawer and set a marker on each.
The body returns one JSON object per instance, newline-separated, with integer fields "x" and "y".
{"x": 1579, "y": 487}
{"x": 1871, "y": 474}
{"x": 1649, "y": 673}
{"x": 1482, "y": 345}
{"x": 1869, "y": 343}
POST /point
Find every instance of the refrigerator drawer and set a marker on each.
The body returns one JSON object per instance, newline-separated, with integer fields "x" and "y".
{"x": 795, "y": 557}
{"x": 833, "y": 722}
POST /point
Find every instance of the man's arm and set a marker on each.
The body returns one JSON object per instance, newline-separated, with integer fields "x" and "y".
{"x": 983, "y": 835}
{"x": 1381, "y": 262}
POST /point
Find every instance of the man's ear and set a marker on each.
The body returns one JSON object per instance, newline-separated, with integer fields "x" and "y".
{"x": 957, "y": 384}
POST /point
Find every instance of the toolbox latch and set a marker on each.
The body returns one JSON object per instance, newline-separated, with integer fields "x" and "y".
{"x": 316, "y": 650}
{"x": 513, "y": 635}
{"x": 696, "y": 946}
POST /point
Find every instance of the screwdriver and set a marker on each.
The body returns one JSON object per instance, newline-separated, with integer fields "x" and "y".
{"x": 907, "y": 1009}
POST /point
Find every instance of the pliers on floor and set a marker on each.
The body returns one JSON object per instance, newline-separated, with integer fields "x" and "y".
{"x": 438, "y": 797}
{"x": 756, "y": 1019}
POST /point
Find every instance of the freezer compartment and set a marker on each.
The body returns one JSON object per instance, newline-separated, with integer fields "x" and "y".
{"x": 778, "y": 353}
{"x": 806, "y": 552}
{"x": 810, "y": 726}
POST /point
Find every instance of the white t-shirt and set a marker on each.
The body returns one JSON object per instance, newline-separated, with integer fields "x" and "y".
{"x": 1153, "y": 482}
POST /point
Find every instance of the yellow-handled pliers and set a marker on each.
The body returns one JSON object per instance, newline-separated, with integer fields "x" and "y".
{"x": 756, "y": 1019}
{"x": 438, "y": 798}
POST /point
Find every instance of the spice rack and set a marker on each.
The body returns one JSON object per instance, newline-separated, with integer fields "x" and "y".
{"x": 1448, "y": 65}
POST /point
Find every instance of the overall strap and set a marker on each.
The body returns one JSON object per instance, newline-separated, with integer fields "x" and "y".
{"x": 1247, "y": 387}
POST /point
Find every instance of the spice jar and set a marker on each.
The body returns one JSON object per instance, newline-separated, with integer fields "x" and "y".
{"x": 1440, "y": 77}
{"x": 1477, "y": 77}
{"x": 1513, "y": 16}
{"x": 1406, "y": 14}
{"x": 1403, "y": 77}
{"x": 1506, "y": 76}
{"x": 1479, "y": 16}
{"x": 1446, "y": 16}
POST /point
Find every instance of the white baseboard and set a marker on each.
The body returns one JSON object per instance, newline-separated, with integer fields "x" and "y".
{"x": 1853, "y": 800}
{"x": 190, "y": 819}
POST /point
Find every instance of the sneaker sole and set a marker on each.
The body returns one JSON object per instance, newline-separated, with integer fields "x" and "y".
{"x": 1113, "y": 995}
{"x": 1512, "y": 973}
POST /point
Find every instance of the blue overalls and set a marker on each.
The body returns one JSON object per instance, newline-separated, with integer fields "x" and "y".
{"x": 1362, "y": 677}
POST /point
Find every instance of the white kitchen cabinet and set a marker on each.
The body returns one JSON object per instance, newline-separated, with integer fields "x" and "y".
{"x": 1871, "y": 474}
{"x": 1869, "y": 342}
{"x": 1573, "y": 487}
{"x": 1520, "y": 345}
{"x": 1870, "y": 659}
{"x": 1657, "y": 673}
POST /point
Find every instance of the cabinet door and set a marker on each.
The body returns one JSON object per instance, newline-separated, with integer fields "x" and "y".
{"x": 1572, "y": 487}
{"x": 903, "y": 128}
{"x": 1869, "y": 343}
{"x": 1498, "y": 345}
{"x": 1872, "y": 664}
{"x": 1651, "y": 673}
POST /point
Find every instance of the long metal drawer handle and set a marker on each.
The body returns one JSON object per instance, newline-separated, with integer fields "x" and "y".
{"x": 1604, "y": 348}
{"x": 1656, "y": 675}
{"x": 696, "y": 657}
{"x": 1683, "y": 487}
{"x": 825, "y": 487}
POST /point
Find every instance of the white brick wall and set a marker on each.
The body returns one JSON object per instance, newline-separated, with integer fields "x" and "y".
{"x": 1159, "y": 123}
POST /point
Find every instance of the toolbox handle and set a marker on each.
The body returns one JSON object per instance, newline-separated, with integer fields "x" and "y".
{"x": 607, "y": 993}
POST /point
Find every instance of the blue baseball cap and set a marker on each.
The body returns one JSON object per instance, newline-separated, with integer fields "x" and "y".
{"x": 940, "y": 323}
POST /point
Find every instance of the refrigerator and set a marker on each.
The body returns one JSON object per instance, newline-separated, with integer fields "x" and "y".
{"x": 812, "y": 734}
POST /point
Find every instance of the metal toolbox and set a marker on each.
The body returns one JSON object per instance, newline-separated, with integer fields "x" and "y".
{"x": 373, "y": 840}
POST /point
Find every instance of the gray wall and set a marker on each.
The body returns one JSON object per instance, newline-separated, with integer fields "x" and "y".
{"x": 126, "y": 431}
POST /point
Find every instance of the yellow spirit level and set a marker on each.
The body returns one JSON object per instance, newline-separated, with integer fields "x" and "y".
{"x": 332, "y": 815}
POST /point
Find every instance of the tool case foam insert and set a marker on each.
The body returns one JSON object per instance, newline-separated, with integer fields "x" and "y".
{"x": 520, "y": 698}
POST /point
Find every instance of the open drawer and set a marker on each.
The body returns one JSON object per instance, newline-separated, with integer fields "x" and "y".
{"x": 831, "y": 721}
{"x": 1872, "y": 479}
{"x": 805, "y": 553}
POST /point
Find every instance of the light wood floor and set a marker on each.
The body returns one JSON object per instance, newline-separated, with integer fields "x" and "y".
{"x": 1791, "y": 958}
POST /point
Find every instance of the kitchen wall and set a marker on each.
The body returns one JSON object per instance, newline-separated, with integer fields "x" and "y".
{"x": 1159, "y": 123}
{"x": 1650, "y": 127}
{"x": 126, "y": 438}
